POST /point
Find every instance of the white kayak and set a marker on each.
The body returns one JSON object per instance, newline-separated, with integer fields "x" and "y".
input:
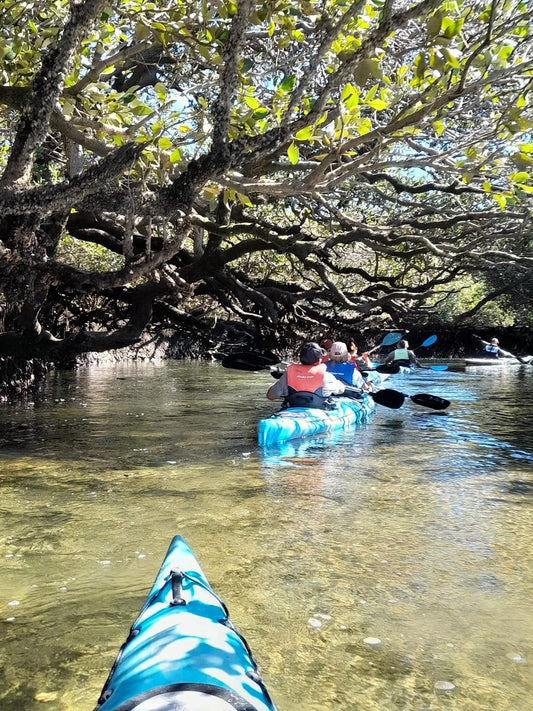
{"x": 498, "y": 362}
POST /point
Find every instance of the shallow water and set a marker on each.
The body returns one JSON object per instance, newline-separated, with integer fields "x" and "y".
{"x": 388, "y": 567}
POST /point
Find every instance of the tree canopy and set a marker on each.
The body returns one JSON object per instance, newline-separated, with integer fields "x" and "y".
{"x": 282, "y": 165}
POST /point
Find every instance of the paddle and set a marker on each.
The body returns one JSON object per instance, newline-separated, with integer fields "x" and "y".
{"x": 395, "y": 399}
{"x": 430, "y": 340}
{"x": 250, "y": 360}
{"x": 389, "y": 340}
{"x": 261, "y": 360}
{"x": 520, "y": 359}
{"x": 385, "y": 369}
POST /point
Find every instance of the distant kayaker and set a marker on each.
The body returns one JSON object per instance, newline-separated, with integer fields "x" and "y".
{"x": 307, "y": 384}
{"x": 402, "y": 355}
{"x": 362, "y": 361}
{"x": 343, "y": 368}
{"x": 326, "y": 344}
{"x": 493, "y": 350}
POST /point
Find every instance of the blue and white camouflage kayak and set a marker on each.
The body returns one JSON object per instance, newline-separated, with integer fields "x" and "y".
{"x": 182, "y": 652}
{"x": 296, "y": 422}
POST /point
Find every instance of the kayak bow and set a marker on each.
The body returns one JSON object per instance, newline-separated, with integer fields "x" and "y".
{"x": 183, "y": 652}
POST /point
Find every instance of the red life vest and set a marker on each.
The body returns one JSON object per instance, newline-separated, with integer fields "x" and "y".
{"x": 306, "y": 378}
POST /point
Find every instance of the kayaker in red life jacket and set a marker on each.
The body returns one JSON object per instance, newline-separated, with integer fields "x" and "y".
{"x": 343, "y": 368}
{"x": 307, "y": 384}
{"x": 402, "y": 355}
{"x": 326, "y": 345}
{"x": 362, "y": 361}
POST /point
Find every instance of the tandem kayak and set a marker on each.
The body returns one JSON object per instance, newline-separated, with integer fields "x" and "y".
{"x": 182, "y": 652}
{"x": 296, "y": 422}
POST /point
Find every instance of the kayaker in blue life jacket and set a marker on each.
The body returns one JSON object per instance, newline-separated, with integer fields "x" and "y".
{"x": 402, "y": 356}
{"x": 307, "y": 384}
{"x": 493, "y": 350}
{"x": 340, "y": 365}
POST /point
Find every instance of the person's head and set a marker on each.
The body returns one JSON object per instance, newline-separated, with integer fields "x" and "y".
{"x": 402, "y": 344}
{"x": 339, "y": 352}
{"x": 495, "y": 342}
{"x": 311, "y": 353}
{"x": 352, "y": 348}
{"x": 326, "y": 343}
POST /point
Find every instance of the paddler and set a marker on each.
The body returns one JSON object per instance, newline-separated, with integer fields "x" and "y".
{"x": 308, "y": 383}
{"x": 343, "y": 368}
{"x": 493, "y": 350}
{"x": 402, "y": 355}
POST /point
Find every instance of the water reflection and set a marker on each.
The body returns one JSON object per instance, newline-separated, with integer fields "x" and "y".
{"x": 388, "y": 566}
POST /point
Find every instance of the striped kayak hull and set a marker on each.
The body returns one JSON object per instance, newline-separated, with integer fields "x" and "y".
{"x": 183, "y": 653}
{"x": 294, "y": 422}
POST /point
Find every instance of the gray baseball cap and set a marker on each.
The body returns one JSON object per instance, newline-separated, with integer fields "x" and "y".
{"x": 310, "y": 353}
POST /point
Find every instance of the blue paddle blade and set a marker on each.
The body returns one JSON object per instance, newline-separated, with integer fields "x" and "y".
{"x": 392, "y": 338}
{"x": 438, "y": 367}
{"x": 428, "y": 342}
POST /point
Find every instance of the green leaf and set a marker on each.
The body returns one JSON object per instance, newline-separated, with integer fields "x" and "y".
{"x": 304, "y": 134}
{"x": 378, "y": 104}
{"x": 175, "y": 156}
{"x": 434, "y": 24}
{"x": 211, "y": 192}
{"x": 500, "y": 199}
{"x": 293, "y": 153}
{"x": 161, "y": 90}
{"x": 350, "y": 96}
{"x": 519, "y": 177}
{"x": 365, "y": 69}
{"x": 243, "y": 199}
{"x": 252, "y": 102}
{"x": 451, "y": 56}
{"x": 287, "y": 84}
{"x": 363, "y": 126}
{"x": 164, "y": 143}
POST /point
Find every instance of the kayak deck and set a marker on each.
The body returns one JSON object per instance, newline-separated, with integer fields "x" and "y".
{"x": 182, "y": 651}
{"x": 294, "y": 422}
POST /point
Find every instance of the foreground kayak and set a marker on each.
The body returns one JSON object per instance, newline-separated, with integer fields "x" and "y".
{"x": 296, "y": 422}
{"x": 183, "y": 653}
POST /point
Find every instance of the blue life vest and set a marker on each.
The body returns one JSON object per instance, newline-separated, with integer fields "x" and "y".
{"x": 342, "y": 371}
{"x": 493, "y": 351}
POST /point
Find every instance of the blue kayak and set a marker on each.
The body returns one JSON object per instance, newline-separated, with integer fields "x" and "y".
{"x": 294, "y": 422}
{"x": 182, "y": 652}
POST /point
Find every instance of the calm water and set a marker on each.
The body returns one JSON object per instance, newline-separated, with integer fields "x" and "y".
{"x": 388, "y": 568}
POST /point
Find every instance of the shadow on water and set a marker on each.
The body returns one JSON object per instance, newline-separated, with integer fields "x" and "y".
{"x": 385, "y": 567}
